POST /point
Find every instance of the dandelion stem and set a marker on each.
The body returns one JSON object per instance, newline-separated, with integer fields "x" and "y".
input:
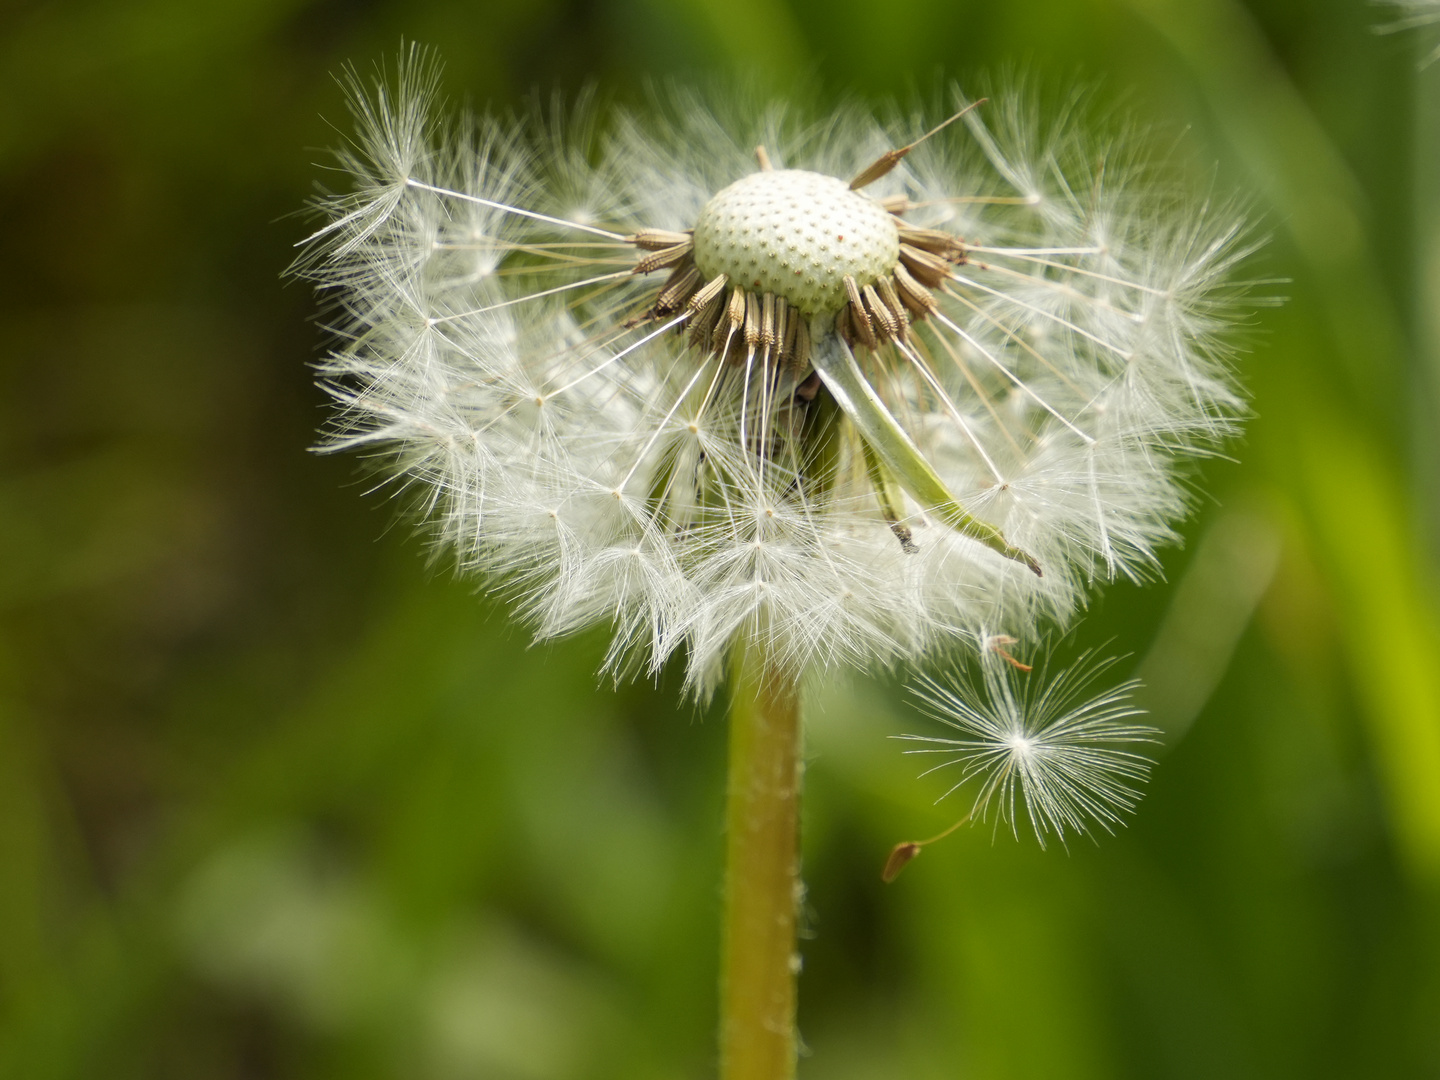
{"x": 762, "y": 873}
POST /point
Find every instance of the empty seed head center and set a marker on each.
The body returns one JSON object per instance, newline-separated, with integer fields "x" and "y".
{"x": 798, "y": 235}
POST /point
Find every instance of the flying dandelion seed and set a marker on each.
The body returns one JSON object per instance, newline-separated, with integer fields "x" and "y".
{"x": 834, "y": 399}
{"x": 1038, "y": 743}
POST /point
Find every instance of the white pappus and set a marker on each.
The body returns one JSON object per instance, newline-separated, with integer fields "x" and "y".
{"x": 1044, "y": 740}
{"x": 837, "y": 389}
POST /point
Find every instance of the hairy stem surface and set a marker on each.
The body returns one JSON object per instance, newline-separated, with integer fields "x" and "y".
{"x": 762, "y": 874}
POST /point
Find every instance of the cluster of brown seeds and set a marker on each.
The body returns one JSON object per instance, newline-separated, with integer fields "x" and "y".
{"x": 736, "y": 324}
{"x": 882, "y": 311}
{"x": 723, "y": 319}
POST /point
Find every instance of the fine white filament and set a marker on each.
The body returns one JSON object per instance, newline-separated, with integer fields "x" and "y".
{"x": 1038, "y": 743}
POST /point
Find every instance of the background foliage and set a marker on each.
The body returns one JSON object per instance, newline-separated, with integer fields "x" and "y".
{"x": 275, "y": 801}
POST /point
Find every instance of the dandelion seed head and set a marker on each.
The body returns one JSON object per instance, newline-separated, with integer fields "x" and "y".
{"x": 850, "y": 397}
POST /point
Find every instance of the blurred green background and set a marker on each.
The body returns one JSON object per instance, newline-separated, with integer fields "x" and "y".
{"x": 278, "y": 801}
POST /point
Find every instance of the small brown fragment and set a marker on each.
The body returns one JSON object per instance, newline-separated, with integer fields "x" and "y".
{"x": 677, "y": 288}
{"x": 897, "y": 204}
{"x": 764, "y": 159}
{"x": 663, "y": 258}
{"x": 878, "y": 168}
{"x": 707, "y": 306}
{"x": 928, "y": 269}
{"x": 883, "y": 318}
{"x": 936, "y": 241}
{"x": 752, "y": 320}
{"x": 997, "y": 646}
{"x": 702, "y": 326}
{"x": 903, "y": 852}
{"x": 888, "y": 160}
{"x": 800, "y": 355}
{"x": 808, "y": 388}
{"x": 905, "y": 536}
{"x": 900, "y": 857}
{"x": 793, "y": 320}
{"x": 720, "y": 336}
{"x": 657, "y": 239}
{"x": 767, "y": 321}
{"x": 731, "y": 323}
{"x": 859, "y": 321}
{"x": 920, "y": 300}
{"x": 886, "y": 288}
{"x": 738, "y": 304}
{"x": 709, "y": 293}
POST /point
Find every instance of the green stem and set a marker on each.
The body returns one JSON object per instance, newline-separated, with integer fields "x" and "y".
{"x": 762, "y": 874}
